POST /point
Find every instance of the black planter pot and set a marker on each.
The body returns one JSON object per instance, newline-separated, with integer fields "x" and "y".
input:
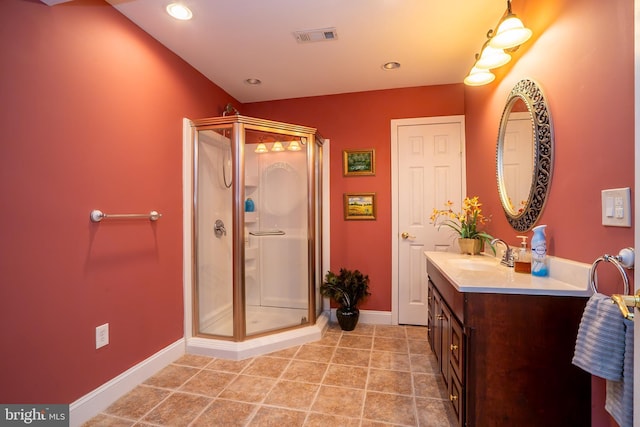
{"x": 347, "y": 317}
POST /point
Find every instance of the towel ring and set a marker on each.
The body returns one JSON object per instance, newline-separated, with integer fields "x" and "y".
{"x": 625, "y": 259}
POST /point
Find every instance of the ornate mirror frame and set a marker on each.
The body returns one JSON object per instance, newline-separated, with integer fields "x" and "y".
{"x": 530, "y": 92}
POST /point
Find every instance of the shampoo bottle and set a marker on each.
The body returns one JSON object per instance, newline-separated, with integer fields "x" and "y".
{"x": 539, "y": 252}
{"x": 523, "y": 261}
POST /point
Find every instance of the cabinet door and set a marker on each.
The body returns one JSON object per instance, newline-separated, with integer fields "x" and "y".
{"x": 437, "y": 327}
{"x": 456, "y": 349}
{"x": 430, "y": 314}
{"x": 445, "y": 316}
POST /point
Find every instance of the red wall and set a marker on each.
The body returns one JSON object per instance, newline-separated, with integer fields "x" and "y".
{"x": 91, "y": 118}
{"x": 586, "y": 73}
{"x": 363, "y": 120}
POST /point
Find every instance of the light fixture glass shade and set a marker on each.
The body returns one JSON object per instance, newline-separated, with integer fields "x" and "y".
{"x": 261, "y": 148}
{"x": 294, "y": 146}
{"x": 511, "y": 33}
{"x": 478, "y": 77}
{"x": 179, "y": 11}
{"x": 277, "y": 146}
{"x": 492, "y": 58}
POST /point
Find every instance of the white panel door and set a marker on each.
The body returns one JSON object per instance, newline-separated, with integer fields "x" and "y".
{"x": 429, "y": 173}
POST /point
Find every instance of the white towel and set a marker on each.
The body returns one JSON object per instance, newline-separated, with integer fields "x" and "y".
{"x": 600, "y": 345}
{"x": 619, "y": 400}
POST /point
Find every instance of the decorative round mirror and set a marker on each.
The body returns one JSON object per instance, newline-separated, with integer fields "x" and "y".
{"x": 524, "y": 155}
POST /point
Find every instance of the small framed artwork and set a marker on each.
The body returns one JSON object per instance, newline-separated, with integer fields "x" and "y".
{"x": 359, "y": 162}
{"x": 359, "y": 206}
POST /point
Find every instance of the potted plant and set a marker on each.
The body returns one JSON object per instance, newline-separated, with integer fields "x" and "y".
{"x": 347, "y": 289}
{"x": 465, "y": 223}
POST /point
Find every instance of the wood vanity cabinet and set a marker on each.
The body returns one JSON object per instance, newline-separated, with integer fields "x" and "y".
{"x": 506, "y": 358}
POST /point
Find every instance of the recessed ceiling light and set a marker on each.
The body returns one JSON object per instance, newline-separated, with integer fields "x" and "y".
{"x": 390, "y": 65}
{"x": 253, "y": 81}
{"x": 179, "y": 11}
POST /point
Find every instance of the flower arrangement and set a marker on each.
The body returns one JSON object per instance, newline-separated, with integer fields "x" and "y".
{"x": 464, "y": 223}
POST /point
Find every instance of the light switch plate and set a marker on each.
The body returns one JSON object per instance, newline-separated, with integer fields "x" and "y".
{"x": 616, "y": 207}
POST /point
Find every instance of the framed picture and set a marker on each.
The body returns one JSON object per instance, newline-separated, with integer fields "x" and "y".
{"x": 359, "y": 162}
{"x": 359, "y": 206}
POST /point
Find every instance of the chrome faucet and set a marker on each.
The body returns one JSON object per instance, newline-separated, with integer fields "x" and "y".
{"x": 507, "y": 256}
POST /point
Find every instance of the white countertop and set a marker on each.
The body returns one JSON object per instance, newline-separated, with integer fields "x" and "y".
{"x": 484, "y": 274}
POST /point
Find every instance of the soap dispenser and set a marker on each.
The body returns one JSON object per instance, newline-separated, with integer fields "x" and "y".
{"x": 539, "y": 252}
{"x": 523, "y": 260}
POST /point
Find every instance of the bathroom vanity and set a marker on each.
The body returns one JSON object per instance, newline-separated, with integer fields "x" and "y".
{"x": 504, "y": 342}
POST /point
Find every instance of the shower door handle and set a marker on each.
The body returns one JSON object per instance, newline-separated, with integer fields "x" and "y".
{"x": 218, "y": 228}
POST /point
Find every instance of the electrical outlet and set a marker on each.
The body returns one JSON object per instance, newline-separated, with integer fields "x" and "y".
{"x": 102, "y": 335}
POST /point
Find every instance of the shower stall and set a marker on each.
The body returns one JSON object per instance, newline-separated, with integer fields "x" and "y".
{"x": 256, "y": 234}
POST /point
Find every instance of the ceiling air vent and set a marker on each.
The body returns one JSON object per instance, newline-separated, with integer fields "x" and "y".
{"x": 308, "y": 36}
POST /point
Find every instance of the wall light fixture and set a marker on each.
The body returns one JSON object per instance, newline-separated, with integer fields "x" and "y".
{"x": 509, "y": 34}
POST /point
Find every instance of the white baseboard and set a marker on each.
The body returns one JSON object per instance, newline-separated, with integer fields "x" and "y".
{"x": 372, "y": 317}
{"x": 91, "y": 404}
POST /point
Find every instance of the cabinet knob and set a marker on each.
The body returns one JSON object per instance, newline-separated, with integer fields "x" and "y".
{"x": 439, "y": 317}
{"x": 453, "y": 397}
{"x": 453, "y": 347}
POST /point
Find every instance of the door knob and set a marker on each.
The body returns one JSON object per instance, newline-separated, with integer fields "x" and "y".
{"x": 406, "y": 236}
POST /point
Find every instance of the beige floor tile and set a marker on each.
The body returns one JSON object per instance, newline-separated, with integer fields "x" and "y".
{"x": 326, "y": 420}
{"x": 103, "y": 420}
{"x": 419, "y": 347}
{"x": 193, "y": 360}
{"x": 315, "y": 353}
{"x": 388, "y": 373}
{"x": 228, "y": 365}
{"x": 303, "y": 370}
{"x": 434, "y": 413}
{"x": 179, "y": 409}
{"x": 172, "y": 376}
{"x": 209, "y": 383}
{"x": 429, "y": 385}
{"x": 390, "y": 360}
{"x": 330, "y": 339}
{"x": 362, "y": 329}
{"x": 277, "y": 417}
{"x": 265, "y": 366}
{"x": 248, "y": 389}
{"x": 396, "y": 382}
{"x": 390, "y": 344}
{"x": 137, "y": 402}
{"x": 390, "y": 408}
{"x": 286, "y": 353}
{"x": 362, "y": 342}
{"x": 338, "y": 401}
{"x": 349, "y": 356}
{"x": 225, "y": 413}
{"x": 346, "y": 376}
{"x": 416, "y": 332}
{"x": 292, "y": 394}
{"x": 424, "y": 363}
{"x": 387, "y": 331}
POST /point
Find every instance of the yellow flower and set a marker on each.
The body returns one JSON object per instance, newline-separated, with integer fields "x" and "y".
{"x": 464, "y": 222}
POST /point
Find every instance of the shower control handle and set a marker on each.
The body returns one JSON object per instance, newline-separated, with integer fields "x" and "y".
{"x": 218, "y": 228}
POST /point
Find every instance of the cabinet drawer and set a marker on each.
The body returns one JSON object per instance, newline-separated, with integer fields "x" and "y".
{"x": 456, "y": 348}
{"x": 455, "y": 397}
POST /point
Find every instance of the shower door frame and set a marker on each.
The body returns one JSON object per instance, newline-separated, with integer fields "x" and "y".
{"x": 240, "y": 124}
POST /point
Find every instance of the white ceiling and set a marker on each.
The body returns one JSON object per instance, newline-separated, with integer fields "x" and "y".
{"x": 232, "y": 40}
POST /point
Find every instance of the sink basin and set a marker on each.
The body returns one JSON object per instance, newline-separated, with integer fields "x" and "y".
{"x": 474, "y": 264}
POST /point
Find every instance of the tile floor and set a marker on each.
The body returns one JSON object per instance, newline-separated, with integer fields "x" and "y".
{"x": 373, "y": 376}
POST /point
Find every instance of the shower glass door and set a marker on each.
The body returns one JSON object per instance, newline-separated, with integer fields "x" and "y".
{"x": 276, "y": 231}
{"x": 213, "y": 236}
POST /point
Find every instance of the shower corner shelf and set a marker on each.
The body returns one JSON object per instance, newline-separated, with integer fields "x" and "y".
{"x": 250, "y": 216}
